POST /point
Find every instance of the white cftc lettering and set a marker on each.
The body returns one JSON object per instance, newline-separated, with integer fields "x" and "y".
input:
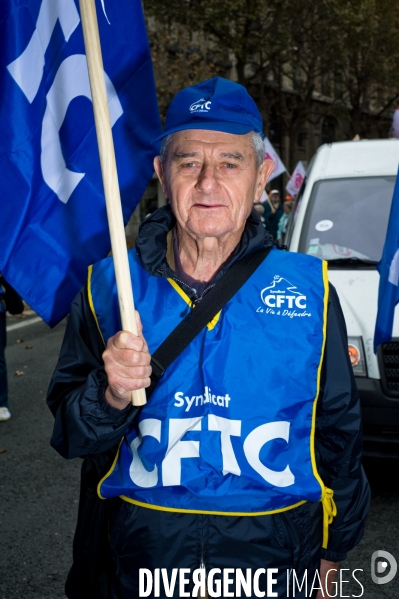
{"x": 277, "y": 301}
{"x": 178, "y": 449}
{"x": 139, "y": 475}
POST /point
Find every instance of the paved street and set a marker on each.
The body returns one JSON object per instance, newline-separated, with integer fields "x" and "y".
{"x": 39, "y": 490}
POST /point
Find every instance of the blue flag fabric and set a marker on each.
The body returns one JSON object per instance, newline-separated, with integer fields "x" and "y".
{"x": 52, "y": 209}
{"x": 388, "y": 267}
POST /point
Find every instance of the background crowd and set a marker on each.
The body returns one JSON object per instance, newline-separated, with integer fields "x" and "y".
{"x": 275, "y": 213}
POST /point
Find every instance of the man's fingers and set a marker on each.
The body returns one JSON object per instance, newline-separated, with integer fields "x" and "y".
{"x": 126, "y": 340}
{"x": 127, "y": 364}
{"x": 126, "y": 357}
{"x": 121, "y": 386}
{"x": 132, "y": 372}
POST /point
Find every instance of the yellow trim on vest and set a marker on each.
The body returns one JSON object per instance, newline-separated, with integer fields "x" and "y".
{"x": 211, "y": 325}
{"x": 329, "y": 508}
{"x": 91, "y": 304}
{"x": 180, "y": 291}
{"x": 109, "y": 472}
{"x": 160, "y": 508}
{"x": 329, "y": 512}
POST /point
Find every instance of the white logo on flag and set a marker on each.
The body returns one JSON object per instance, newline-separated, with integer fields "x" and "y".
{"x": 27, "y": 69}
{"x": 394, "y": 270}
{"x": 71, "y": 81}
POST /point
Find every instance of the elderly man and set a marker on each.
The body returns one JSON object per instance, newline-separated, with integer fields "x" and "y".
{"x": 252, "y": 433}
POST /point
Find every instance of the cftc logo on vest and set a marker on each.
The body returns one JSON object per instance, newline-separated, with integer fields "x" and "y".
{"x": 282, "y": 298}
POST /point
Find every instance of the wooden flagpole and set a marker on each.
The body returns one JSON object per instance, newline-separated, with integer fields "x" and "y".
{"x": 109, "y": 173}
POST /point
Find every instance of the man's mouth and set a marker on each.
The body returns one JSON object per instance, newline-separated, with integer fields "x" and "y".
{"x": 208, "y": 206}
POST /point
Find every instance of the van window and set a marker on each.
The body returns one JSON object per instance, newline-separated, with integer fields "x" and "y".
{"x": 347, "y": 219}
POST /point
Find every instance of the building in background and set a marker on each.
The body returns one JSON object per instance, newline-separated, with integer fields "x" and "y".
{"x": 319, "y": 72}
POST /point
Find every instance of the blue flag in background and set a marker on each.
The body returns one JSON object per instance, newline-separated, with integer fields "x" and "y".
{"x": 388, "y": 292}
{"x": 52, "y": 210}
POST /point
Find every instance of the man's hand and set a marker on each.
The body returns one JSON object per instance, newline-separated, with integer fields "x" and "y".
{"x": 127, "y": 365}
{"x": 327, "y": 580}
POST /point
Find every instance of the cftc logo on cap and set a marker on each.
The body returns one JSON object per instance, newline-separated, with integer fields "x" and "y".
{"x": 201, "y": 106}
{"x": 379, "y": 564}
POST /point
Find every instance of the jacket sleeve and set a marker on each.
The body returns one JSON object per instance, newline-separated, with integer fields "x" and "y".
{"x": 85, "y": 423}
{"x": 339, "y": 439}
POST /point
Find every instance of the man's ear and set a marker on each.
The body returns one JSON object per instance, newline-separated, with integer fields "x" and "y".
{"x": 158, "y": 168}
{"x": 268, "y": 166}
{"x": 265, "y": 170}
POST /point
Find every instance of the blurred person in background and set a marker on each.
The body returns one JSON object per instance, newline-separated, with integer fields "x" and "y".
{"x": 283, "y": 222}
{"x": 273, "y": 212}
{"x": 9, "y": 301}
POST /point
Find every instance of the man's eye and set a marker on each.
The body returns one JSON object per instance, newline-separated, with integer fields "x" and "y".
{"x": 188, "y": 164}
{"x": 230, "y": 165}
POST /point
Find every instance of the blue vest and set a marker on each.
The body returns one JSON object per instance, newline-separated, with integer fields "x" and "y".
{"x": 230, "y": 427}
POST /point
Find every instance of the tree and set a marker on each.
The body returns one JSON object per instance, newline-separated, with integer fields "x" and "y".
{"x": 227, "y": 29}
{"x": 368, "y": 60}
{"x": 181, "y": 58}
{"x": 284, "y": 50}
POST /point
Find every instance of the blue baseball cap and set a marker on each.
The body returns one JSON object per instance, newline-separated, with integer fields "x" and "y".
{"x": 217, "y": 105}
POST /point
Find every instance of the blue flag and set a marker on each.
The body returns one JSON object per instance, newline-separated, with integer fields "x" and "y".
{"x": 388, "y": 267}
{"x": 52, "y": 210}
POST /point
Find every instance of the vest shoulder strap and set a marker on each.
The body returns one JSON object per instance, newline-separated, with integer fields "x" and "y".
{"x": 204, "y": 312}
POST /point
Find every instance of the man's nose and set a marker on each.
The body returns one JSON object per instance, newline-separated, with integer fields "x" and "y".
{"x": 208, "y": 179}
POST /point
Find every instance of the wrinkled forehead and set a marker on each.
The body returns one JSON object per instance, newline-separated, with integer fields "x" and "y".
{"x": 202, "y": 142}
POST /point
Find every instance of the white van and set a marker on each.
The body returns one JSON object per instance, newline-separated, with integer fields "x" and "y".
{"x": 341, "y": 215}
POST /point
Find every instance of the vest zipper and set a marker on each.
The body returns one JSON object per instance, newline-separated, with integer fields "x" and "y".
{"x": 198, "y": 299}
{"x": 184, "y": 286}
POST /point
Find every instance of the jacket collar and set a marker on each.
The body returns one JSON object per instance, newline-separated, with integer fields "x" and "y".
{"x": 151, "y": 243}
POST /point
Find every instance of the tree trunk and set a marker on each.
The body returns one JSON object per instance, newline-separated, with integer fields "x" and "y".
{"x": 355, "y": 120}
{"x": 240, "y": 66}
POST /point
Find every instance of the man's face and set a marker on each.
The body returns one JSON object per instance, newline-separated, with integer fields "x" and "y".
{"x": 211, "y": 180}
{"x": 275, "y": 198}
{"x": 287, "y": 208}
